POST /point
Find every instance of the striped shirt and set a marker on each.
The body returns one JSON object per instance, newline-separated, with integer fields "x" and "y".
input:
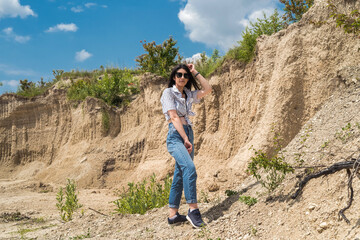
{"x": 172, "y": 99}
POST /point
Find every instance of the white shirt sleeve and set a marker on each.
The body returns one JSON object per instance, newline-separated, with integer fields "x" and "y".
{"x": 167, "y": 100}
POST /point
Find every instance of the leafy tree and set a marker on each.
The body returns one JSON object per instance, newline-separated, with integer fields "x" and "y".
{"x": 25, "y": 85}
{"x": 267, "y": 25}
{"x": 159, "y": 59}
{"x": 294, "y": 9}
{"x": 207, "y": 65}
{"x": 1, "y": 84}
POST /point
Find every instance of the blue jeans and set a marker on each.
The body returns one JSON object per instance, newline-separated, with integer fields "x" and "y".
{"x": 185, "y": 172}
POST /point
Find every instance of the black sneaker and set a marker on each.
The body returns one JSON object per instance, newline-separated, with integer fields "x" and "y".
{"x": 179, "y": 219}
{"x": 195, "y": 219}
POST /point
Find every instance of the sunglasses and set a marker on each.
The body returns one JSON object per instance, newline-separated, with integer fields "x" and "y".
{"x": 180, "y": 75}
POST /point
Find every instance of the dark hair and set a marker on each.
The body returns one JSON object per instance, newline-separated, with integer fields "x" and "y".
{"x": 191, "y": 83}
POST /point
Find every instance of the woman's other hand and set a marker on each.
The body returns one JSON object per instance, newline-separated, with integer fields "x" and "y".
{"x": 188, "y": 146}
{"x": 192, "y": 68}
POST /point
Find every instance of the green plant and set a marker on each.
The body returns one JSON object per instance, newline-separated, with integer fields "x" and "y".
{"x": 31, "y": 89}
{"x": 159, "y": 59}
{"x": 304, "y": 137}
{"x": 230, "y": 192}
{"x": 294, "y": 9}
{"x": 205, "y": 233}
{"x": 12, "y": 217}
{"x": 250, "y": 201}
{"x": 58, "y": 74}
{"x": 346, "y": 133}
{"x": 69, "y": 203}
{"x": 23, "y": 231}
{"x": 246, "y": 49}
{"x": 270, "y": 171}
{"x": 298, "y": 159}
{"x": 253, "y": 230}
{"x": 325, "y": 144}
{"x": 82, "y": 236}
{"x": 349, "y": 22}
{"x": 139, "y": 197}
{"x": 115, "y": 88}
{"x": 207, "y": 65}
{"x": 1, "y": 84}
{"x": 204, "y": 197}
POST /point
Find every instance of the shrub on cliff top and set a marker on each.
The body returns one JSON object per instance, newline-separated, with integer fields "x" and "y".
{"x": 115, "y": 89}
{"x": 31, "y": 89}
{"x": 207, "y": 65}
{"x": 294, "y": 9}
{"x": 266, "y": 26}
{"x": 159, "y": 59}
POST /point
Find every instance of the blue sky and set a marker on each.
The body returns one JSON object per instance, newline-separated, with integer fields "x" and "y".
{"x": 37, "y": 36}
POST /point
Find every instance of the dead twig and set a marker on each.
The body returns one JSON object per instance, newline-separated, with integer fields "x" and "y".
{"x": 353, "y": 164}
{"x": 98, "y": 212}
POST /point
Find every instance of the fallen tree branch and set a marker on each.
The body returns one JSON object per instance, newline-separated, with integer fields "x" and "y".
{"x": 98, "y": 212}
{"x": 353, "y": 164}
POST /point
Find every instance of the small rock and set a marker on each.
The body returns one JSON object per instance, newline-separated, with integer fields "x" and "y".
{"x": 213, "y": 187}
{"x": 324, "y": 225}
{"x": 312, "y": 207}
{"x": 246, "y": 236}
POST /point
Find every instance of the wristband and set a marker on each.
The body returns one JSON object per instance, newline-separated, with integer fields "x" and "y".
{"x": 197, "y": 74}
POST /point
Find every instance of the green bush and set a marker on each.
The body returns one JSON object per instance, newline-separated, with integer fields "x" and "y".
{"x": 94, "y": 74}
{"x": 250, "y": 201}
{"x": 69, "y": 203}
{"x": 114, "y": 89}
{"x": 270, "y": 171}
{"x": 230, "y": 192}
{"x": 246, "y": 49}
{"x": 207, "y": 65}
{"x": 350, "y": 23}
{"x": 30, "y": 89}
{"x": 141, "y": 197}
{"x": 159, "y": 59}
{"x": 294, "y": 9}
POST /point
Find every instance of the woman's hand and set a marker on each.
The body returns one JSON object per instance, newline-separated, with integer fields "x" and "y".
{"x": 188, "y": 145}
{"x": 192, "y": 68}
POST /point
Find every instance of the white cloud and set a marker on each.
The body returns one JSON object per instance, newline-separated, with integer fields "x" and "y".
{"x": 220, "y": 23}
{"x": 80, "y": 8}
{"x": 194, "y": 58}
{"x": 12, "y": 8}
{"x": 77, "y": 9}
{"x": 256, "y": 15}
{"x": 71, "y": 27}
{"x": 10, "y": 70}
{"x": 11, "y": 83}
{"x": 89, "y": 5}
{"x": 82, "y": 55}
{"x": 9, "y": 34}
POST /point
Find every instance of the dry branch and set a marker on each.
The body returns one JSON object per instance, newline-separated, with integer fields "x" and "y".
{"x": 353, "y": 164}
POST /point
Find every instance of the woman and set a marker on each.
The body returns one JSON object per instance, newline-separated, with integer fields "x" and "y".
{"x": 176, "y": 102}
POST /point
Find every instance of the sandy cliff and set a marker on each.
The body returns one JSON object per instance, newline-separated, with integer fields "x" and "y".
{"x": 294, "y": 72}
